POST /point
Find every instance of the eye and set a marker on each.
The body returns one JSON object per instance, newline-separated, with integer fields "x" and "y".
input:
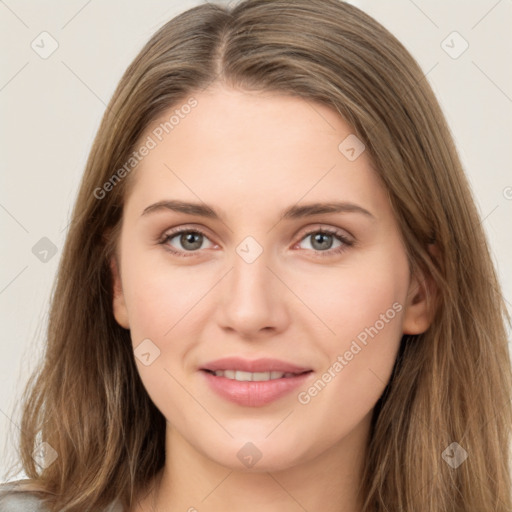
{"x": 327, "y": 241}
{"x": 182, "y": 241}
{"x": 324, "y": 241}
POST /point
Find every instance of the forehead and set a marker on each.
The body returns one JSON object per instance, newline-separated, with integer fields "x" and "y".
{"x": 252, "y": 150}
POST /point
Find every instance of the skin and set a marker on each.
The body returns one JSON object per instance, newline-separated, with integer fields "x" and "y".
{"x": 250, "y": 155}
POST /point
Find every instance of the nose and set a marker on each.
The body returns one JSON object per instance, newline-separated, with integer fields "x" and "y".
{"x": 253, "y": 300}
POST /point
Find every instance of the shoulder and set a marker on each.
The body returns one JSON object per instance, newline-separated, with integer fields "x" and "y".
{"x": 26, "y": 496}
{"x": 20, "y": 497}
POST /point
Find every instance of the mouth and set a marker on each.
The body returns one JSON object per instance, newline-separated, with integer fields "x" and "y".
{"x": 243, "y": 376}
{"x": 254, "y": 383}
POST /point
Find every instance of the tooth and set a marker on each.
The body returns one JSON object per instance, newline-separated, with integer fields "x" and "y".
{"x": 261, "y": 376}
{"x": 252, "y": 376}
{"x": 243, "y": 376}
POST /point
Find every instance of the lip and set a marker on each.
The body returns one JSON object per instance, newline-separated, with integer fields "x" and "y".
{"x": 254, "y": 393}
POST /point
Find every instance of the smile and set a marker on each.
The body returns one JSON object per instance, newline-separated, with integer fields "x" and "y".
{"x": 243, "y": 376}
{"x": 254, "y": 389}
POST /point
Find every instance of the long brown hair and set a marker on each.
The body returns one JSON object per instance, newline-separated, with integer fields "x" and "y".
{"x": 450, "y": 384}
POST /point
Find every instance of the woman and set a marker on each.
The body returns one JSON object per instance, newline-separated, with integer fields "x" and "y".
{"x": 275, "y": 292}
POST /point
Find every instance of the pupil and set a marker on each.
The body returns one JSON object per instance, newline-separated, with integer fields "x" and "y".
{"x": 320, "y": 241}
{"x": 191, "y": 240}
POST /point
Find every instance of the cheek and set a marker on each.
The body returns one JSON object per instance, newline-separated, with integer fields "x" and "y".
{"x": 350, "y": 298}
{"x": 167, "y": 305}
{"x": 159, "y": 295}
{"x": 362, "y": 304}
{"x": 162, "y": 304}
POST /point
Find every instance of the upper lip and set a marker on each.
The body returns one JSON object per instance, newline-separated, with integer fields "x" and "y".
{"x": 254, "y": 365}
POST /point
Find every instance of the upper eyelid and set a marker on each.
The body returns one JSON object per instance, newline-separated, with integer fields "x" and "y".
{"x": 172, "y": 232}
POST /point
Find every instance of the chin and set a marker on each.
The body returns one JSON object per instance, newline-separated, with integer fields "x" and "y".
{"x": 256, "y": 456}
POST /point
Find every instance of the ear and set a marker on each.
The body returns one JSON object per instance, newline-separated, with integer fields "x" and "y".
{"x": 118, "y": 302}
{"x": 420, "y": 304}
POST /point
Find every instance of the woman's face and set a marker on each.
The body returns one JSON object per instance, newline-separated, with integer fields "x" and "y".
{"x": 325, "y": 289}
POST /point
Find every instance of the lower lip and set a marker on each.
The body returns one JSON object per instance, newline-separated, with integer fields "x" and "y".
{"x": 254, "y": 394}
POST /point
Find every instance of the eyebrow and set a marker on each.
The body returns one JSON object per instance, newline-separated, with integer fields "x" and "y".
{"x": 293, "y": 212}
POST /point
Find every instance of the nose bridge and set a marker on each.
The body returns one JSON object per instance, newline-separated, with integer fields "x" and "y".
{"x": 249, "y": 262}
{"x": 250, "y": 277}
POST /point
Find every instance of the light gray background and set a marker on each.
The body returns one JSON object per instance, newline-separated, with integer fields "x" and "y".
{"x": 51, "y": 109}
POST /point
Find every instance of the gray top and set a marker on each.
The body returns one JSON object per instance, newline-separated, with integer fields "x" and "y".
{"x": 16, "y": 500}
{"x": 12, "y": 500}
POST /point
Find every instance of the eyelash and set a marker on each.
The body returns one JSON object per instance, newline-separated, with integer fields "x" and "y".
{"x": 346, "y": 242}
